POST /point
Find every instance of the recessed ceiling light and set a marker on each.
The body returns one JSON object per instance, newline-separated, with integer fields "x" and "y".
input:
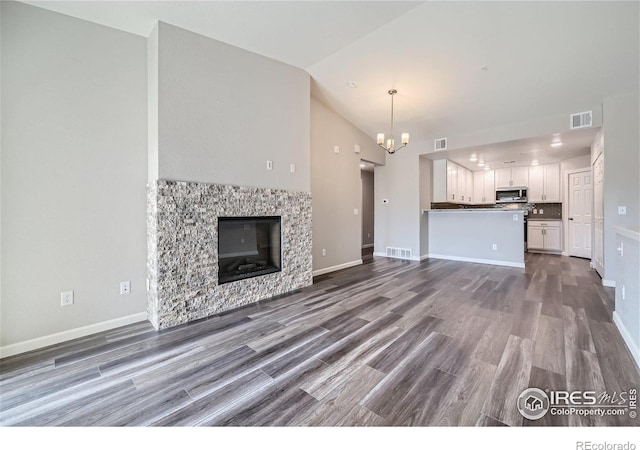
{"x": 487, "y": 168}
{"x": 534, "y": 162}
{"x": 480, "y": 164}
{"x": 473, "y": 158}
{"x": 363, "y": 166}
{"x": 556, "y": 144}
{"x": 484, "y": 68}
{"x": 352, "y": 84}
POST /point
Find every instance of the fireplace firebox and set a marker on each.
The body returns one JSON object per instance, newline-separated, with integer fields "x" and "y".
{"x": 248, "y": 247}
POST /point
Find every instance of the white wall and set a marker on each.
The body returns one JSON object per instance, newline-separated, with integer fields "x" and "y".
{"x": 73, "y": 172}
{"x": 336, "y": 187}
{"x": 223, "y": 112}
{"x": 621, "y": 170}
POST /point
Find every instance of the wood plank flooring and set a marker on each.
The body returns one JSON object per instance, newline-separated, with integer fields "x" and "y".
{"x": 388, "y": 343}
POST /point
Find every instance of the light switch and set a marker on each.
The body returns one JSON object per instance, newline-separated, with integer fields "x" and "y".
{"x": 336, "y": 149}
{"x": 356, "y": 148}
{"x": 292, "y": 168}
{"x": 355, "y": 211}
{"x": 515, "y": 217}
{"x": 622, "y": 210}
{"x": 269, "y": 165}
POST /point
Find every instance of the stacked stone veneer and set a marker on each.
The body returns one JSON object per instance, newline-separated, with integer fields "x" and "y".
{"x": 182, "y": 241}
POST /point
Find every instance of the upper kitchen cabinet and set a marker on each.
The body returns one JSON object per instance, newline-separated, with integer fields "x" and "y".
{"x": 451, "y": 183}
{"x": 512, "y": 176}
{"x": 544, "y": 183}
{"x": 484, "y": 187}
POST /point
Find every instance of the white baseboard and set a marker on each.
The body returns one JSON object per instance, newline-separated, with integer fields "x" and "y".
{"x": 379, "y": 254}
{"x": 423, "y": 257}
{"x": 367, "y": 246}
{"x": 608, "y": 283}
{"x": 492, "y": 262}
{"x": 56, "y": 338}
{"x": 626, "y": 336}
{"x": 338, "y": 267}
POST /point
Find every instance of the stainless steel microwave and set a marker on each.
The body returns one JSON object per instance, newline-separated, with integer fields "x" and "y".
{"x": 511, "y": 195}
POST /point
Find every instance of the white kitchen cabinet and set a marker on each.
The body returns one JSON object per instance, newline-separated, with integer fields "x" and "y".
{"x": 445, "y": 181}
{"x": 552, "y": 183}
{"x": 544, "y": 183}
{"x": 519, "y": 176}
{"x": 544, "y": 235}
{"x": 451, "y": 183}
{"x": 484, "y": 188}
{"x": 462, "y": 185}
{"x": 469, "y": 196}
{"x": 503, "y": 177}
{"x": 512, "y": 177}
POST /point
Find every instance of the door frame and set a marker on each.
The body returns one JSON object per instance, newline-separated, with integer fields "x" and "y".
{"x": 565, "y": 206}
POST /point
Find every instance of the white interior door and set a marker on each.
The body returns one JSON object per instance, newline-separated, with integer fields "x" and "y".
{"x": 580, "y": 201}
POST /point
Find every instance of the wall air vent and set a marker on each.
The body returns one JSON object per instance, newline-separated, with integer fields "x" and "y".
{"x": 581, "y": 120}
{"x": 400, "y": 253}
{"x": 440, "y": 144}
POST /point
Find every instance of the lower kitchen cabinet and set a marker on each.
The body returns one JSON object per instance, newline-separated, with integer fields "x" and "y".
{"x": 544, "y": 235}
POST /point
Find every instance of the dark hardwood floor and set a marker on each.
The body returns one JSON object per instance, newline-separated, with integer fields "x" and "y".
{"x": 390, "y": 342}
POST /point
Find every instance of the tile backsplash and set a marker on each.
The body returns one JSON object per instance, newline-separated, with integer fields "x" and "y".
{"x": 546, "y": 211}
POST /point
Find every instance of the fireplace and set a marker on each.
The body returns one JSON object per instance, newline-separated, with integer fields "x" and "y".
{"x": 248, "y": 247}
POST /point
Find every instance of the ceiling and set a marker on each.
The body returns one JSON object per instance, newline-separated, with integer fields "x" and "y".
{"x": 539, "y": 58}
{"x": 523, "y": 152}
{"x": 294, "y": 32}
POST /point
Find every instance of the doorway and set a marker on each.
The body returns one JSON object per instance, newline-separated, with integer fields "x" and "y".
{"x": 580, "y": 201}
{"x": 368, "y": 178}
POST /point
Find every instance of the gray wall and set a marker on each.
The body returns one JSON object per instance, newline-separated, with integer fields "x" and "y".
{"x": 397, "y": 222}
{"x": 471, "y": 235}
{"x": 336, "y": 186}
{"x": 74, "y": 161}
{"x": 426, "y": 195}
{"x": 223, "y": 112}
{"x": 626, "y": 273}
{"x": 367, "y": 207}
{"x": 621, "y": 170}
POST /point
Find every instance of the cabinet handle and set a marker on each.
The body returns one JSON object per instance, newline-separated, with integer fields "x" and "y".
{"x": 453, "y": 196}
{"x": 463, "y": 198}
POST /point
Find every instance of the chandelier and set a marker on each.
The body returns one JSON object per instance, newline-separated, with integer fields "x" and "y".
{"x": 390, "y": 145}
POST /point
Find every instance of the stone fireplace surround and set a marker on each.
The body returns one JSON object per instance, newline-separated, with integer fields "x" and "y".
{"x": 182, "y": 248}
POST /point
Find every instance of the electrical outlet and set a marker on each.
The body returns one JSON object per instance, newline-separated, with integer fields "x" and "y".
{"x": 336, "y": 149}
{"x": 535, "y": 211}
{"x": 355, "y": 211}
{"x": 515, "y": 217}
{"x": 66, "y": 298}
{"x": 622, "y": 210}
{"x": 269, "y": 165}
{"x": 494, "y": 247}
{"x": 292, "y": 168}
{"x": 125, "y": 287}
{"x": 324, "y": 252}
{"x": 541, "y": 211}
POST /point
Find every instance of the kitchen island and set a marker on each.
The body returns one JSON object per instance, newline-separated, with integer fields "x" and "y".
{"x": 480, "y": 235}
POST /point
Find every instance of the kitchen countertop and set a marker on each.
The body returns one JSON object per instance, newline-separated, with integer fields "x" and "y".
{"x": 630, "y": 232}
{"x": 474, "y": 210}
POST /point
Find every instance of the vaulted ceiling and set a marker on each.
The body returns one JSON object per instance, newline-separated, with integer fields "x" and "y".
{"x": 457, "y": 66}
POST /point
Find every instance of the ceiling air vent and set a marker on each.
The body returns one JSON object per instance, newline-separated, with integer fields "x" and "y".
{"x": 440, "y": 144}
{"x": 581, "y": 120}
